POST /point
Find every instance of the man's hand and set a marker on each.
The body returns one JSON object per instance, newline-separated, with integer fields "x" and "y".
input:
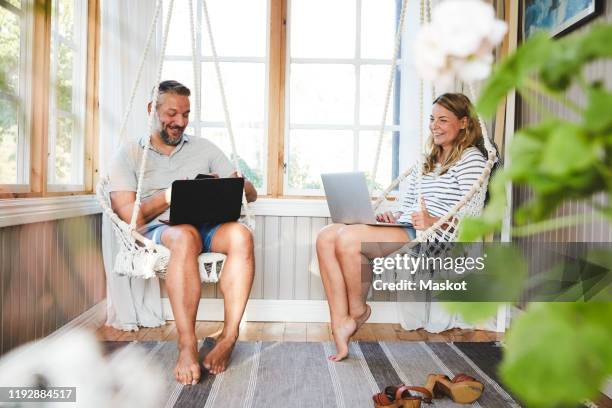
{"x": 388, "y": 217}
{"x": 249, "y": 189}
{"x": 421, "y": 220}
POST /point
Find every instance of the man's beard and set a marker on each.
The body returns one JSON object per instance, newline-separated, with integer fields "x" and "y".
{"x": 167, "y": 139}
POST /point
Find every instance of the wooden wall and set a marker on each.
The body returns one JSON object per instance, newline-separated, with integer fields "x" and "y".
{"x": 594, "y": 227}
{"x": 50, "y": 272}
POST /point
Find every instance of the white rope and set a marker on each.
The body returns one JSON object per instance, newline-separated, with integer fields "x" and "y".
{"x": 226, "y": 113}
{"x": 152, "y": 117}
{"x": 195, "y": 65}
{"x": 143, "y": 58}
{"x": 396, "y": 49}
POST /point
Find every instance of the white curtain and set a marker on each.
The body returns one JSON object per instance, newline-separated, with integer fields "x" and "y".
{"x": 432, "y": 317}
{"x": 124, "y": 26}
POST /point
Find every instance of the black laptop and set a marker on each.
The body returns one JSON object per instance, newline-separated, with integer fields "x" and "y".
{"x": 209, "y": 200}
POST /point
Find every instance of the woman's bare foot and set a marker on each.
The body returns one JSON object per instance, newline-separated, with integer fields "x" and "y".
{"x": 342, "y": 332}
{"x": 187, "y": 370}
{"x": 216, "y": 361}
{"x": 361, "y": 319}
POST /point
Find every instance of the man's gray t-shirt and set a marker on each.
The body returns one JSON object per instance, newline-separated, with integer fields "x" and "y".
{"x": 192, "y": 156}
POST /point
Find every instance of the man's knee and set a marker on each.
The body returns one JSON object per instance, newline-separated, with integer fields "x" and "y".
{"x": 182, "y": 238}
{"x": 240, "y": 239}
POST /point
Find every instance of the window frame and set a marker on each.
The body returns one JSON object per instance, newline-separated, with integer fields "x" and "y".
{"x": 36, "y": 103}
{"x": 278, "y": 160}
{"x": 23, "y": 98}
{"x": 78, "y": 45}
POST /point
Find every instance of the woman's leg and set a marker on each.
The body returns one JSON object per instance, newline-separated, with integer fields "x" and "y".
{"x": 331, "y": 275}
{"x": 351, "y": 257}
{"x": 348, "y": 259}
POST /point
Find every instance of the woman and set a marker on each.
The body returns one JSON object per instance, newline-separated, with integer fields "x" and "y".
{"x": 451, "y": 167}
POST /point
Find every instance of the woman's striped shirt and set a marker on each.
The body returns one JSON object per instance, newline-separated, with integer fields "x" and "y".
{"x": 442, "y": 192}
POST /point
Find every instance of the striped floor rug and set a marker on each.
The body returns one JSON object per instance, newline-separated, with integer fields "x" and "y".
{"x": 291, "y": 374}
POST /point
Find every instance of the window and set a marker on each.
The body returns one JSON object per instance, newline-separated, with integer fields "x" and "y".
{"x": 305, "y": 81}
{"x": 67, "y": 95}
{"x": 48, "y": 98}
{"x": 339, "y": 56}
{"x": 14, "y": 136}
{"x": 240, "y": 30}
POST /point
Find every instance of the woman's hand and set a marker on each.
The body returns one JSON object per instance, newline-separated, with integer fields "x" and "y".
{"x": 421, "y": 220}
{"x": 388, "y": 217}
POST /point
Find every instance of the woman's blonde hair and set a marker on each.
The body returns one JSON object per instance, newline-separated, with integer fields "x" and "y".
{"x": 461, "y": 106}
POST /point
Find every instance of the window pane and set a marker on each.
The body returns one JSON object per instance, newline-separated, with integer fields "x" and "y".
{"x": 374, "y": 80}
{"x": 63, "y": 84}
{"x": 367, "y": 153}
{"x": 8, "y": 142}
{"x": 65, "y": 18}
{"x": 250, "y": 146}
{"x": 65, "y": 168}
{"x": 377, "y": 28}
{"x": 244, "y": 85}
{"x": 180, "y": 71}
{"x": 9, "y": 52}
{"x": 322, "y": 29}
{"x": 179, "y": 35}
{"x": 239, "y": 28}
{"x": 16, "y": 3}
{"x": 322, "y": 93}
{"x": 312, "y": 152}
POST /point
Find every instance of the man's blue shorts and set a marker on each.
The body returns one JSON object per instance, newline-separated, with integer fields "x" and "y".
{"x": 207, "y": 231}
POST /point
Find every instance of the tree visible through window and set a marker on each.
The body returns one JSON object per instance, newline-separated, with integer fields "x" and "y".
{"x": 13, "y": 157}
{"x": 67, "y": 94}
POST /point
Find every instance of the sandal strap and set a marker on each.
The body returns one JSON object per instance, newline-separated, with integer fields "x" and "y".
{"x": 382, "y": 399}
{"x": 462, "y": 377}
{"x": 426, "y": 394}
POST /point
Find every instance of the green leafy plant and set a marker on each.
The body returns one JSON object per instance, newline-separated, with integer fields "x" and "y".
{"x": 557, "y": 354}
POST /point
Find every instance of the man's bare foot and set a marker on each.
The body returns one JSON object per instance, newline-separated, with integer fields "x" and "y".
{"x": 216, "y": 361}
{"x": 187, "y": 370}
{"x": 342, "y": 332}
{"x": 360, "y": 320}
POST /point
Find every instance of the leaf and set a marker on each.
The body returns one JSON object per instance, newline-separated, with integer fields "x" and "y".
{"x": 474, "y": 312}
{"x": 512, "y": 70}
{"x": 559, "y": 353}
{"x": 472, "y": 229}
{"x": 573, "y": 52}
{"x": 567, "y": 150}
{"x": 597, "y": 116}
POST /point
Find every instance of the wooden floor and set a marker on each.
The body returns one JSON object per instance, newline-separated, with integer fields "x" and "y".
{"x": 264, "y": 331}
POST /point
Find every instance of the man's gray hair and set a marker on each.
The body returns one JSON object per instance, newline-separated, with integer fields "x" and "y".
{"x": 171, "y": 87}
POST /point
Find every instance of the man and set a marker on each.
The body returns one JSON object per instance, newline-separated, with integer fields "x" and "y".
{"x": 172, "y": 156}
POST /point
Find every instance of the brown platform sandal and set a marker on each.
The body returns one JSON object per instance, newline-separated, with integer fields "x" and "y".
{"x": 400, "y": 397}
{"x": 462, "y": 389}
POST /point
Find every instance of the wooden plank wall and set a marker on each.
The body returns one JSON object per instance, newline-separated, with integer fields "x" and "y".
{"x": 50, "y": 272}
{"x": 285, "y": 260}
{"x": 594, "y": 228}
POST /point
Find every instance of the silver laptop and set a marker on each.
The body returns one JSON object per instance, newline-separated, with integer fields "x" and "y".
{"x": 348, "y": 199}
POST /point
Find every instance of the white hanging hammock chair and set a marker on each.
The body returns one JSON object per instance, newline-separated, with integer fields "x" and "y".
{"x": 472, "y": 203}
{"x": 138, "y": 256}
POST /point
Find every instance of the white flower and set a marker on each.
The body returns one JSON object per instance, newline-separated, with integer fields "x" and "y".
{"x": 458, "y": 42}
{"x": 75, "y": 360}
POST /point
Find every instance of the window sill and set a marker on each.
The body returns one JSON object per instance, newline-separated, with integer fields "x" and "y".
{"x": 28, "y": 210}
{"x": 290, "y": 207}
